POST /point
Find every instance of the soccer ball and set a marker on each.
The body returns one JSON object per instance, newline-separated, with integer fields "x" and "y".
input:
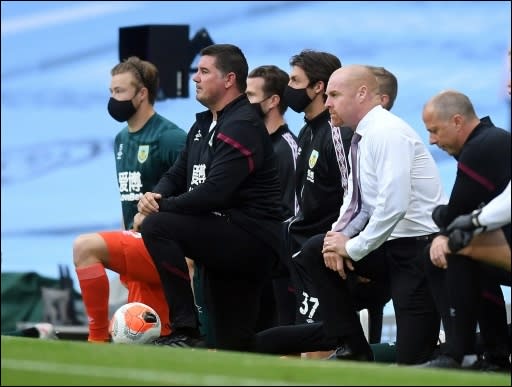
{"x": 135, "y": 323}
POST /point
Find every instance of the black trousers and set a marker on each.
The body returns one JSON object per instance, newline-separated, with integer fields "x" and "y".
{"x": 466, "y": 293}
{"x": 298, "y": 338}
{"x": 278, "y": 300}
{"x": 417, "y": 318}
{"x": 305, "y": 308}
{"x": 235, "y": 262}
{"x": 401, "y": 262}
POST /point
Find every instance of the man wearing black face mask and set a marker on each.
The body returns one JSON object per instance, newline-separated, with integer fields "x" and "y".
{"x": 144, "y": 150}
{"x": 265, "y": 89}
{"x": 322, "y": 172}
{"x": 150, "y": 143}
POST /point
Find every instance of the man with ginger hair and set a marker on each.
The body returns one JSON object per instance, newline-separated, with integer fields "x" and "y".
{"x": 400, "y": 189}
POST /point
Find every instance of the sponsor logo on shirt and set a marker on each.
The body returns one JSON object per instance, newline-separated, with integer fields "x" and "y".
{"x": 198, "y": 175}
{"x": 311, "y": 176}
{"x": 130, "y": 185}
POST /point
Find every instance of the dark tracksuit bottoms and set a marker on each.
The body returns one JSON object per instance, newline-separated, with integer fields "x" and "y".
{"x": 401, "y": 259}
{"x": 237, "y": 264}
{"x": 473, "y": 290}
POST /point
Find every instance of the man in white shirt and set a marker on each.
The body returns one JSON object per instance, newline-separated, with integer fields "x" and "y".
{"x": 399, "y": 186}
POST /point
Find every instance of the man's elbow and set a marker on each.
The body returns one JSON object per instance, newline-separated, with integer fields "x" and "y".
{"x": 398, "y": 213}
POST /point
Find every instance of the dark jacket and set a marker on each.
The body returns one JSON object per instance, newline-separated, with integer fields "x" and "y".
{"x": 319, "y": 189}
{"x": 286, "y": 150}
{"x": 230, "y": 170}
{"x": 483, "y": 171}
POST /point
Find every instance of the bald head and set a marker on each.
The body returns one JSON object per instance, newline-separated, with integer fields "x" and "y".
{"x": 358, "y": 76}
{"x": 352, "y": 92}
{"x": 448, "y": 103}
{"x": 449, "y": 118}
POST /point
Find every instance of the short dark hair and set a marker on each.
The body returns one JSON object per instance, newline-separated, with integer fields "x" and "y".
{"x": 274, "y": 82}
{"x": 229, "y": 58}
{"x": 317, "y": 65}
{"x": 145, "y": 73}
{"x": 388, "y": 84}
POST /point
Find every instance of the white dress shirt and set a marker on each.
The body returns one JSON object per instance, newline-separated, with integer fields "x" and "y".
{"x": 399, "y": 183}
{"x": 496, "y": 213}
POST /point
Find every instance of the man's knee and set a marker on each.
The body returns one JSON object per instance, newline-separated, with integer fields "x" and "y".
{"x": 311, "y": 252}
{"x": 87, "y": 249}
{"x": 461, "y": 261}
{"x": 147, "y": 226}
{"x": 151, "y": 226}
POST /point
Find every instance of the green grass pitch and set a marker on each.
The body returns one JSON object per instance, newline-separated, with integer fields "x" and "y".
{"x": 40, "y": 362}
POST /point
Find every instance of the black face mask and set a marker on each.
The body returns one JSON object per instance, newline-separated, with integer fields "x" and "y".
{"x": 259, "y": 110}
{"x": 121, "y": 110}
{"x": 296, "y": 99}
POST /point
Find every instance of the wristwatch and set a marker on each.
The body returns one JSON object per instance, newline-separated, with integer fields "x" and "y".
{"x": 474, "y": 218}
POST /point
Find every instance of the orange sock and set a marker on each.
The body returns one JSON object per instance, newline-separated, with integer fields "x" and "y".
{"x": 95, "y": 292}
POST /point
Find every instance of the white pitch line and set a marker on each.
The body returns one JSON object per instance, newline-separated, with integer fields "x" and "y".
{"x": 135, "y": 374}
{"x": 64, "y": 15}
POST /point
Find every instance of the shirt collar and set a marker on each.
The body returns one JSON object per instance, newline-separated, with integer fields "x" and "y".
{"x": 368, "y": 120}
{"x": 319, "y": 120}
